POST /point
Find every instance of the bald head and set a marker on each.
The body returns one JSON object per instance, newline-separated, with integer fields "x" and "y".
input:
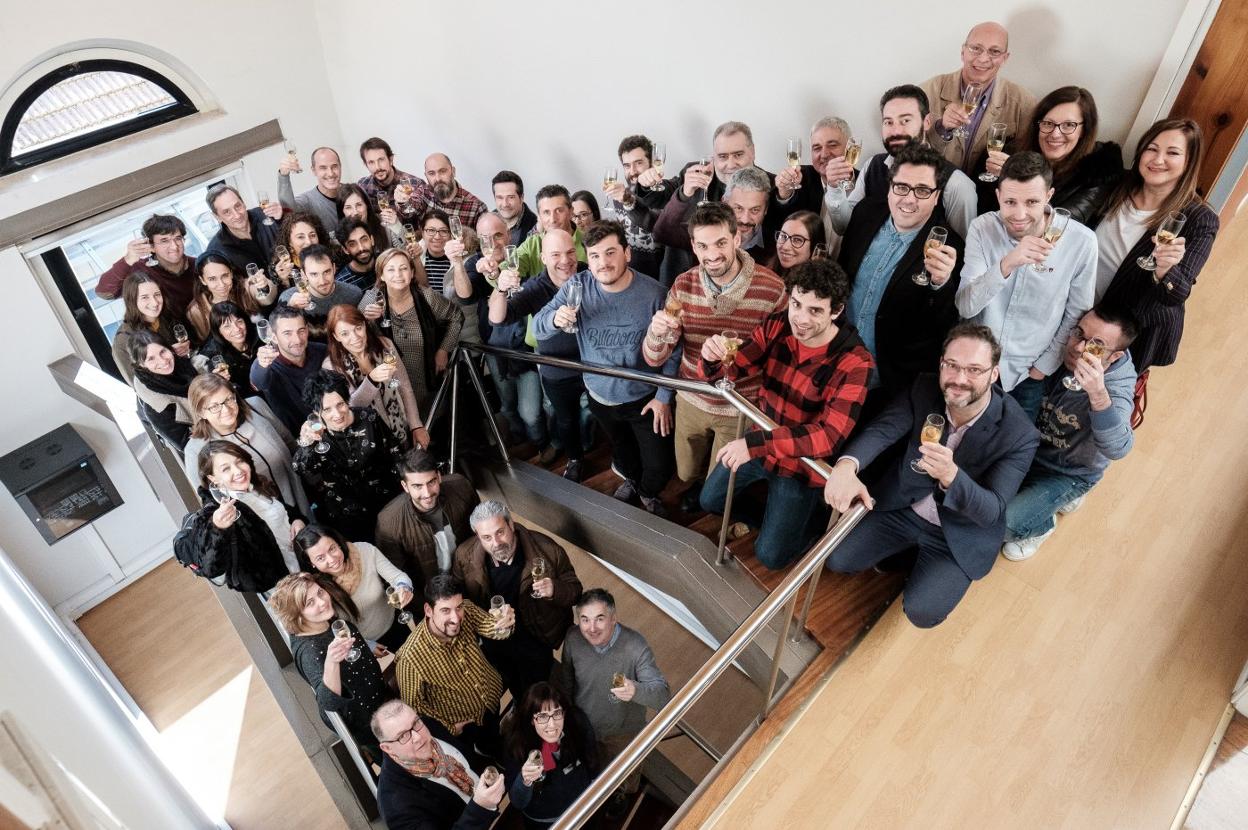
{"x": 493, "y": 233}
{"x": 559, "y": 255}
{"x": 986, "y": 49}
{"x": 440, "y": 174}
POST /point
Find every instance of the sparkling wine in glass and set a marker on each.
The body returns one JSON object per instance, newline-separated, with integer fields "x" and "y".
{"x": 1059, "y": 218}
{"x": 539, "y": 571}
{"x": 391, "y": 358}
{"x": 970, "y": 101}
{"x": 263, "y": 196}
{"x": 793, "y": 157}
{"x": 935, "y": 238}
{"x": 511, "y": 261}
{"x": 732, "y": 342}
{"x": 290, "y": 153}
{"x": 318, "y": 428}
{"x": 1095, "y": 347}
{"x": 497, "y": 603}
{"x": 996, "y": 143}
{"x": 343, "y": 632}
{"x": 673, "y": 308}
{"x": 264, "y": 332}
{"x": 179, "y": 333}
{"x": 457, "y": 229}
{"x": 853, "y": 151}
{"x": 301, "y": 285}
{"x": 933, "y": 429}
{"x": 409, "y": 235}
{"x": 617, "y": 682}
{"x": 383, "y": 200}
{"x": 394, "y": 597}
{"x": 151, "y": 261}
{"x": 1167, "y": 232}
{"x": 658, "y": 158}
{"x": 575, "y": 292}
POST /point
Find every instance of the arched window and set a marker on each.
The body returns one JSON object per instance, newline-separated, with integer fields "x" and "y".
{"x": 83, "y": 105}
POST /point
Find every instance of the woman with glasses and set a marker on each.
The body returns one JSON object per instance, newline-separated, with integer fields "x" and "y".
{"x": 550, "y": 753}
{"x": 796, "y": 241}
{"x": 231, "y": 344}
{"x": 145, "y": 311}
{"x": 161, "y": 380}
{"x": 221, "y": 415}
{"x": 1085, "y": 171}
{"x": 585, "y": 211}
{"x": 216, "y": 283}
{"x": 365, "y": 575}
{"x": 435, "y": 229}
{"x": 342, "y": 671}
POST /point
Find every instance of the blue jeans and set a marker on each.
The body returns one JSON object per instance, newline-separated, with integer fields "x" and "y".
{"x": 521, "y": 399}
{"x": 1031, "y": 512}
{"x": 793, "y": 518}
{"x": 1029, "y": 393}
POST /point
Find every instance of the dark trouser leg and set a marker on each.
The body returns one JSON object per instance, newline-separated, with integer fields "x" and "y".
{"x": 791, "y": 520}
{"x": 658, "y": 459}
{"x": 1029, "y": 393}
{"x": 565, "y": 397}
{"x": 937, "y": 583}
{"x": 614, "y": 421}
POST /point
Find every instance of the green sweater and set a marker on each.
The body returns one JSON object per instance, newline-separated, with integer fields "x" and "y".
{"x": 530, "y": 254}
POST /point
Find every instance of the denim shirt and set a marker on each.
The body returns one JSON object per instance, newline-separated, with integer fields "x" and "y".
{"x": 873, "y": 276}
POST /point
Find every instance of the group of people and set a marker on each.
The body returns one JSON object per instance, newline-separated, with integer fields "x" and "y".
{"x": 962, "y": 324}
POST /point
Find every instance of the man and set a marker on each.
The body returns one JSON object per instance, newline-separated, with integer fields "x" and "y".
{"x": 985, "y": 51}
{"x": 801, "y": 188}
{"x": 1028, "y": 291}
{"x": 597, "y": 650}
{"x": 498, "y": 561}
{"x": 427, "y": 783}
{"x": 948, "y": 498}
{"x": 902, "y": 324}
{"x": 748, "y": 194}
{"x": 554, "y": 212}
{"x": 322, "y": 200}
{"x": 243, "y": 237}
{"x": 562, "y": 387}
{"x": 383, "y": 177}
{"x": 358, "y": 242}
{"x": 442, "y": 671}
{"x": 324, "y": 292}
{"x": 419, "y": 529}
{"x": 448, "y": 195}
{"x": 283, "y": 366}
{"x": 728, "y": 290}
{"x": 815, "y": 372}
{"x": 509, "y": 203}
{"x": 615, "y": 308}
{"x": 904, "y": 117}
{"x": 1082, "y": 428}
{"x": 642, "y": 193}
{"x": 732, "y": 149}
{"x": 164, "y": 237}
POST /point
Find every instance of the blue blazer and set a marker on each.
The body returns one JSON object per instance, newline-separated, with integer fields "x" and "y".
{"x": 992, "y": 459}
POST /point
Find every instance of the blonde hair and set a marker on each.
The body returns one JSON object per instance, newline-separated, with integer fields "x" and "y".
{"x": 291, "y": 592}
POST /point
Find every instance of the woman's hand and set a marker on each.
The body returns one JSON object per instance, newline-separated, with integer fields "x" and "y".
{"x": 531, "y": 772}
{"x": 440, "y": 360}
{"x": 1168, "y": 255}
{"x": 382, "y": 373}
{"x": 225, "y": 515}
{"x": 295, "y": 527}
{"x": 420, "y": 437}
{"x": 338, "y": 649}
{"x": 182, "y": 348}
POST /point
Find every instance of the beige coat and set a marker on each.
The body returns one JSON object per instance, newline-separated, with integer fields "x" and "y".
{"x": 1010, "y": 104}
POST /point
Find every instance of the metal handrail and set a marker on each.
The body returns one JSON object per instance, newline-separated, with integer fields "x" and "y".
{"x": 614, "y": 774}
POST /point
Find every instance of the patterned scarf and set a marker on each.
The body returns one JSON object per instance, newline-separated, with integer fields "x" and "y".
{"x": 442, "y": 765}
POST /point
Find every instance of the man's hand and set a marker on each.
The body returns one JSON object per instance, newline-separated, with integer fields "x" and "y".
{"x": 487, "y": 797}
{"x": 662, "y": 415}
{"x": 273, "y": 210}
{"x": 509, "y": 280}
{"x": 1036, "y": 374}
{"x": 843, "y": 488}
{"x": 565, "y": 315}
{"x": 649, "y": 178}
{"x": 1168, "y": 255}
{"x": 289, "y": 164}
{"x": 939, "y": 263}
{"x": 137, "y": 249}
{"x": 1091, "y": 376}
{"x": 954, "y": 116}
{"x": 265, "y": 355}
{"x": 487, "y": 266}
{"x": 625, "y": 692}
{"x": 788, "y": 181}
{"x": 543, "y": 588}
{"x": 506, "y": 620}
{"x": 837, "y": 170}
{"x": 937, "y": 461}
{"x": 617, "y": 190}
{"x": 1030, "y": 250}
{"x": 713, "y": 350}
{"x": 696, "y": 178}
{"x": 734, "y": 454}
{"x": 662, "y": 324}
{"x": 299, "y": 299}
{"x": 388, "y": 216}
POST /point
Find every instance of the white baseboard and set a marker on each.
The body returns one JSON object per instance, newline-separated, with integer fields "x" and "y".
{"x": 105, "y": 587}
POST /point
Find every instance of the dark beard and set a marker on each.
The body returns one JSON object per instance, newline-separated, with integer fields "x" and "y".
{"x": 892, "y": 145}
{"x": 443, "y": 191}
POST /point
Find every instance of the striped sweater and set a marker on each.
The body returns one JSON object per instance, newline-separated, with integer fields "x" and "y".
{"x": 754, "y": 295}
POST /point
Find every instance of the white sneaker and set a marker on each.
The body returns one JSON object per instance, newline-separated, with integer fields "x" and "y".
{"x": 1072, "y": 505}
{"x": 1021, "y": 549}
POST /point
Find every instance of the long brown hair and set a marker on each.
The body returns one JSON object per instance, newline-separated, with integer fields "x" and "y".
{"x": 133, "y": 317}
{"x": 204, "y": 386}
{"x": 339, "y": 357}
{"x": 1087, "y": 137}
{"x": 200, "y": 311}
{"x": 218, "y": 446}
{"x": 291, "y": 592}
{"x": 1184, "y": 193}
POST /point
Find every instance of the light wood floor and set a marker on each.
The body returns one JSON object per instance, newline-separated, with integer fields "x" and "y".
{"x": 1079, "y": 689}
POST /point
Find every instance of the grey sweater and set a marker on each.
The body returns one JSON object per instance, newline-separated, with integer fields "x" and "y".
{"x": 1078, "y": 441}
{"x": 586, "y": 676}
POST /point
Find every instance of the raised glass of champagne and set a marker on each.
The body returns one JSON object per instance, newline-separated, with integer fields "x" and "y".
{"x": 996, "y": 143}
{"x": 1094, "y": 347}
{"x": 1167, "y": 232}
{"x": 936, "y": 238}
{"x": 617, "y": 682}
{"x": 673, "y": 308}
{"x": 933, "y": 429}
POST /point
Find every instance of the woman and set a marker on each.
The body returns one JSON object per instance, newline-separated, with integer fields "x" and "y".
{"x": 307, "y": 604}
{"x": 244, "y": 539}
{"x": 548, "y": 722}
{"x": 355, "y": 205}
{"x": 220, "y": 414}
{"x": 161, "y": 380}
{"x": 217, "y": 283}
{"x": 1085, "y": 171}
{"x": 1161, "y": 180}
{"x": 300, "y": 230}
{"x": 435, "y": 229}
{"x": 585, "y": 210}
{"x": 232, "y": 339}
{"x": 357, "y": 351}
{"x": 421, "y": 320}
{"x": 363, "y": 573}
{"x": 796, "y": 241}
{"x": 145, "y": 311}
{"x": 353, "y": 476}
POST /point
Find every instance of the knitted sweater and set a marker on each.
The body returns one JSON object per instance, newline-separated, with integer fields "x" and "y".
{"x": 749, "y": 299}
{"x": 586, "y": 675}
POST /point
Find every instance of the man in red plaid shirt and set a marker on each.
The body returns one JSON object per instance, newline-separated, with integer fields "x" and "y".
{"x": 814, "y": 380}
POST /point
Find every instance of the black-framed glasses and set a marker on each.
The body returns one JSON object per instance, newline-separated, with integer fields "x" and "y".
{"x": 543, "y": 718}
{"x": 921, "y": 191}
{"x": 971, "y": 371}
{"x": 1067, "y": 127}
{"x": 437, "y": 232}
{"x": 406, "y": 735}
{"x": 214, "y": 408}
{"x": 798, "y": 242}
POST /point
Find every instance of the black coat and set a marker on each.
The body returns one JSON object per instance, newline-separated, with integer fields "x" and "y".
{"x": 239, "y": 252}
{"x": 238, "y": 363}
{"x": 245, "y": 553}
{"x": 912, "y": 320}
{"x": 409, "y": 802}
{"x": 1083, "y": 192}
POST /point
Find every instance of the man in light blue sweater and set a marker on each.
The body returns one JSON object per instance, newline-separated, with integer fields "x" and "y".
{"x": 610, "y": 322}
{"x": 1084, "y": 423}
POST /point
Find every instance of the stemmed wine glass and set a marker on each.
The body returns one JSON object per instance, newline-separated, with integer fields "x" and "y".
{"x": 540, "y": 569}
{"x": 511, "y": 261}
{"x": 996, "y": 143}
{"x": 395, "y": 599}
{"x": 933, "y": 429}
{"x": 658, "y": 157}
{"x": 1059, "y": 218}
{"x": 343, "y": 632}
{"x": 610, "y": 176}
{"x": 1169, "y": 231}
{"x": 793, "y": 155}
{"x": 853, "y": 150}
{"x": 935, "y": 238}
{"x": 1094, "y": 346}
{"x": 301, "y": 285}
{"x": 263, "y": 196}
{"x": 264, "y": 332}
{"x": 574, "y": 293}
{"x": 317, "y": 425}
{"x": 970, "y": 101}
{"x": 391, "y": 358}
{"x": 151, "y": 261}
{"x": 179, "y": 334}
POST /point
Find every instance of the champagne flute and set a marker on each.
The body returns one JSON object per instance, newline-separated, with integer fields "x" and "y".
{"x": 318, "y": 427}
{"x": 391, "y": 358}
{"x": 732, "y": 342}
{"x": 658, "y": 157}
{"x": 301, "y": 285}
{"x": 1059, "y": 218}
{"x": 218, "y": 361}
{"x": 263, "y": 196}
{"x": 343, "y": 632}
{"x": 151, "y": 261}
{"x": 290, "y": 153}
{"x": 794, "y": 157}
{"x": 996, "y": 143}
{"x": 179, "y": 333}
{"x": 617, "y": 682}
{"x": 409, "y": 235}
{"x": 511, "y": 261}
{"x": 264, "y": 332}
{"x": 1167, "y": 232}
{"x": 574, "y": 294}
{"x": 933, "y": 429}
{"x": 403, "y": 196}
{"x": 535, "y": 759}
{"x": 496, "y": 610}
{"x": 935, "y": 238}
{"x": 673, "y": 307}
{"x": 538, "y": 572}
{"x": 395, "y": 599}
{"x": 1095, "y": 347}
{"x": 853, "y": 150}
{"x": 970, "y": 102}
{"x": 610, "y": 175}
{"x": 457, "y": 230}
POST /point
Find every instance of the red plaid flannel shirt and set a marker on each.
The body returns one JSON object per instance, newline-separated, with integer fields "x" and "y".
{"x": 422, "y": 194}
{"x": 464, "y": 205}
{"x": 815, "y": 403}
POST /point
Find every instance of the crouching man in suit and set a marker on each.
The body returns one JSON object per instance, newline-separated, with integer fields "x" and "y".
{"x": 946, "y": 499}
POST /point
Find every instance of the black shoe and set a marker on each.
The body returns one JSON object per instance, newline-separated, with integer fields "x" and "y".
{"x": 572, "y": 472}
{"x": 689, "y": 501}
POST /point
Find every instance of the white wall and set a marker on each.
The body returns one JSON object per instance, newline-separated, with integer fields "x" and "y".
{"x": 571, "y": 79}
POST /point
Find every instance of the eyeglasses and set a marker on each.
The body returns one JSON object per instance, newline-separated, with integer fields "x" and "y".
{"x": 971, "y": 371}
{"x": 437, "y": 232}
{"x": 1067, "y": 127}
{"x": 214, "y": 408}
{"x": 581, "y": 217}
{"x": 920, "y": 192}
{"x": 977, "y": 50}
{"x": 406, "y": 736}
{"x": 798, "y": 242}
{"x": 543, "y": 718}
{"x": 172, "y": 240}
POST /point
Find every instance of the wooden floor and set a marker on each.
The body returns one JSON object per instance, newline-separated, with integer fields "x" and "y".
{"x": 1079, "y": 689}
{"x": 1222, "y": 799}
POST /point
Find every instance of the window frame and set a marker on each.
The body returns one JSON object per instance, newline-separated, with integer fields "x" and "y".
{"x": 181, "y": 108}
